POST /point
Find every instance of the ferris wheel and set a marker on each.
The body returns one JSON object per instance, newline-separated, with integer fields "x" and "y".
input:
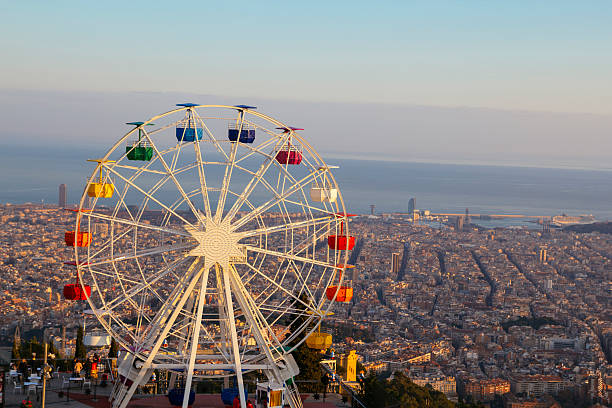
{"x": 211, "y": 241}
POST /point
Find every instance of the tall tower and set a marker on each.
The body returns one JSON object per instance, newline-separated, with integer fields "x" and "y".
{"x": 459, "y": 224}
{"x": 63, "y": 338}
{"x": 17, "y": 336}
{"x": 411, "y": 206}
{"x": 467, "y": 215}
{"x": 62, "y": 196}
{"x": 372, "y": 208}
{"x": 395, "y": 263}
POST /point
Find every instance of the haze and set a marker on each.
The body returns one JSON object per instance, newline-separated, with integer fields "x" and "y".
{"x": 517, "y": 83}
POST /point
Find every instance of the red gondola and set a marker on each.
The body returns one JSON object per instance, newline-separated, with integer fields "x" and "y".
{"x": 341, "y": 242}
{"x": 74, "y": 291}
{"x": 80, "y": 239}
{"x": 289, "y": 155}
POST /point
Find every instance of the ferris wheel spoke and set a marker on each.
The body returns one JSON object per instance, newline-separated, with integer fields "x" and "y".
{"x": 174, "y": 298}
{"x": 138, "y": 169}
{"x": 258, "y": 323}
{"x": 271, "y": 203}
{"x": 137, "y": 224}
{"x": 147, "y": 194}
{"x": 276, "y": 284}
{"x": 162, "y": 249}
{"x": 202, "y": 176}
{"x": 256, "y": 150}
{"x": 196, "y": 334}
{"x": 170, "y": 172}
{"x": 252, "y": 184}
{"x": 108, "y": 274}
{"x": 229, "y": 168}
{"x": 211, "y": 137}
{"x": 145, "y": 285}
{"x": 305, "y": 206}
{"x": 288, "y": 256}
{"x": 288, "y": 226}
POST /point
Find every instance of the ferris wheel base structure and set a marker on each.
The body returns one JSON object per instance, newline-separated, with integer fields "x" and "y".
{"x": 246, "y": 260}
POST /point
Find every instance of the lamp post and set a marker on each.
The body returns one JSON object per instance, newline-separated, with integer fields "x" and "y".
{"x": 94, "y": 377}
{"x": 45, "y": 372}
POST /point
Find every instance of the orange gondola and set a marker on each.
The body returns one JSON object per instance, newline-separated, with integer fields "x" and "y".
{"x": 80, "y": 239}
{"x": 342, "y": 293}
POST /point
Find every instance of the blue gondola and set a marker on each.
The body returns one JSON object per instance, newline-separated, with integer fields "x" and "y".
{"x": 247, "y": 133}
{"x": 228, "y": 395}
{"x": 175, "y": 396}
{"x": 186, "y": 129}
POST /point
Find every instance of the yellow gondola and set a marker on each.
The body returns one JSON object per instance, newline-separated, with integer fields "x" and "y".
{"x": 101, "y": 189}
{"x": 319, "y": 341}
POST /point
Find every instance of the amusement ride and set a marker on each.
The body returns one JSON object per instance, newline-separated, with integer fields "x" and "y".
{"x": 211, "y": 241}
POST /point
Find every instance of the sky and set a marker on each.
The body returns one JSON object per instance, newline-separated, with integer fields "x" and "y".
{"x": 525, "y": 82}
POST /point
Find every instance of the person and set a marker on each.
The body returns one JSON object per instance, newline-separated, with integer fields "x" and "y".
{"x": 250, "y": 404}
{"x": 23, "y": 369}
{"x": 236, "y": 403}
{"x": 94, "y": 365}
{"x": 88, "y": 363}
{"x": 78, "y": 367}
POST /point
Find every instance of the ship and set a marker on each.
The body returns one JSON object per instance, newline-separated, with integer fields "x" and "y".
{"x": 564, "y": 220}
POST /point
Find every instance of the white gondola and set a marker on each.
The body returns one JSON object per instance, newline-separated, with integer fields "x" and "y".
{"x": 319, "y": 194}
{"x": 97, "y": 340}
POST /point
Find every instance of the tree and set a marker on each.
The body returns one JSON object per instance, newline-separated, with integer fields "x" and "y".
{"x": 114, "y": 349}
{"x": 400, "y": 392}
{"x": 306, "y": 358}
{"x": 51, "y": 349}
{"x": 325, "y": 382}
{"x": 80, "y": 351}
{"x": 31, "y": 347}
{"x": 15, "y": 351}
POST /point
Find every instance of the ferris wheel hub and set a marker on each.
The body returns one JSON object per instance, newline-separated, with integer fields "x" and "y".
{"x": 216, "y": 242}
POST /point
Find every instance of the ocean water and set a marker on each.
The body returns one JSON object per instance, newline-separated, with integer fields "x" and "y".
{"x": 33, "y": 174}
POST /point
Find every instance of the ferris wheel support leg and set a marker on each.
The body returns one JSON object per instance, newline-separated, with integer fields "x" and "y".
{"x": 196, "y": 337}
{"x": 181, "y": 346}
{"x": 160, "y": 339}
{"x": 223, "y": 320}
{"x": 233, "y": 334}
{"x": 250, "y": 312}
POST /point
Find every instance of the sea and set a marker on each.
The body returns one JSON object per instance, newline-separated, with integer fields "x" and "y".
{"x": 33, "y": 174}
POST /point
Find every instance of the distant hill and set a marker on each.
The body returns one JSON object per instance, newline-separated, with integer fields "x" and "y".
{"x": 603, "y": 227}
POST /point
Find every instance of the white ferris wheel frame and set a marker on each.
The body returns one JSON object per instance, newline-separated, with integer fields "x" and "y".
{"x": 146, "y": 352}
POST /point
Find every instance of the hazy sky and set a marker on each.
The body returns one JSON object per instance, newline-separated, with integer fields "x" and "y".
{"x": 412, "y": 69}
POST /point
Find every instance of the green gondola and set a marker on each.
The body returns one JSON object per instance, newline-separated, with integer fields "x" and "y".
{"x": 139, "y": 149}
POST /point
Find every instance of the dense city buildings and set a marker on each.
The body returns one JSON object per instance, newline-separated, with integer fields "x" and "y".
{"x": 509, "y": 313}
